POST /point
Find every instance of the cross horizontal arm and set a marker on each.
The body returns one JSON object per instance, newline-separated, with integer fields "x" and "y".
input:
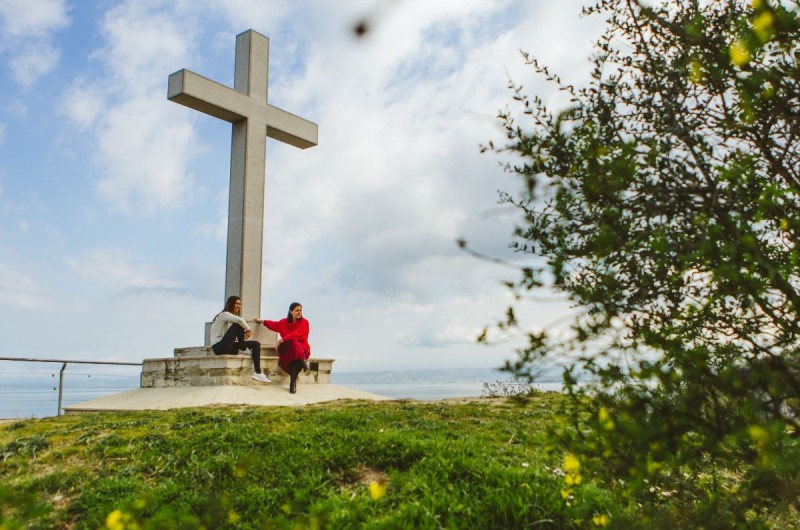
{"x": 215, "y": 99}
{"x": 288, "y": 128}
{"x": 207, "y": 96}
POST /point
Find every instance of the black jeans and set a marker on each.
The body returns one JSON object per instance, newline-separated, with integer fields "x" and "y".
{"x": 233, "y": 342}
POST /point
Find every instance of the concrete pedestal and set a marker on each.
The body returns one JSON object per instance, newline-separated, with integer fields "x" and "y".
{"x": 189, "y": 369}
{"x": 198, "y": 366}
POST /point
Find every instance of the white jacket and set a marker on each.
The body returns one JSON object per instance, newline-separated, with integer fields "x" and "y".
{"x": 221, "y": 324}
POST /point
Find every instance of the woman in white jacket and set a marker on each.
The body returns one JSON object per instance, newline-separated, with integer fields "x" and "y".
{"x": 229, "y": 334}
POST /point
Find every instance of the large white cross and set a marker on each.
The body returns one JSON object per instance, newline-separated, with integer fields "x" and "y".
{"x": 253, "y": 119}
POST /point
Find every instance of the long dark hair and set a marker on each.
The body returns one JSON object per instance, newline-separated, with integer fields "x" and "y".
{"x": 229, "y": 303}
{"x": 292, "y": 306}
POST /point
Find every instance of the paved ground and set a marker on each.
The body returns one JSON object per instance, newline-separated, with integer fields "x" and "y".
{"x": 199, "y": 396}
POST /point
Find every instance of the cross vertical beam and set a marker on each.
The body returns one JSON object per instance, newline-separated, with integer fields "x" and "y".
{"x": 246, "y": 196}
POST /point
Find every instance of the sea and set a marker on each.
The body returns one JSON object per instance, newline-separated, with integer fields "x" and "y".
{"x": 33, "y": 392}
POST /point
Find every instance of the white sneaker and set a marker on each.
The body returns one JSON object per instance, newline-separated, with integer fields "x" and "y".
{"x": 245, "y": 352}
{"x": 261, "y": 377}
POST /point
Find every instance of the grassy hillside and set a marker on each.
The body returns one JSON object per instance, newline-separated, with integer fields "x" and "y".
{"x": 479, "y": 464}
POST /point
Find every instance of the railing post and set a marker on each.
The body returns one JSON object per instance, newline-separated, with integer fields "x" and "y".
{"x": 64, "y": 367}
{"x": 61, "y": 387}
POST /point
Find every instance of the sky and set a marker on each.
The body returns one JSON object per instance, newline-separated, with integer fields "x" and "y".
{"x": 113, "y": 200}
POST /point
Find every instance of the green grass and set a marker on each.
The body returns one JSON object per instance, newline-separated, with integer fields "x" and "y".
{"x": 481, "y": 464}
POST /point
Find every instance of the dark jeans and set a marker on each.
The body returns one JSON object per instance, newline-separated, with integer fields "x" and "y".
{"x": 233, "y": 342}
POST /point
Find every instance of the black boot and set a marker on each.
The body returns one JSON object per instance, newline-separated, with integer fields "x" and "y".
{"x": 293, "y": 382}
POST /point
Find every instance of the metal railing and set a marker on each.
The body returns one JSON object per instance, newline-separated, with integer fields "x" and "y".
{"x": 64, "y": 364}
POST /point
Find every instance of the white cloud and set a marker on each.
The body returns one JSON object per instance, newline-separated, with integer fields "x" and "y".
{"x": 452, "y": 334}
{"x": 27, "y": 27}
{"x": 113, "y": 269}
{"x": 264, "y": 17}
{"x": 21, "y": 18}
{"x": 83, "y": 103}
{"x": 33, "y": 62}
{"x": 146, "y": 44}
{"x": 20, "y": 290}
{"x": 143, "y": 149}
{"x": 144, "y": 142}
{"x": 396, "y": 182}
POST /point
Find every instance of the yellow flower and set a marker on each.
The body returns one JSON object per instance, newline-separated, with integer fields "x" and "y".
{"x": 565, "y": 493}
{"x": 571, "y": 464}
{"x": 572, "y": 467}
{"x": 601, "y": 520}
{"x": 602, "y": 414}
{"x": 573, "y": 480}
{"x": 376, "y": 490}
{"x": 114, "y": 521}
{"x": 784, "y": 224}
{"x": 233, "y": 517}
{"x": 739, "y": 53}
{"x": 757, "y": 4}
{"x": 119, "y": 520}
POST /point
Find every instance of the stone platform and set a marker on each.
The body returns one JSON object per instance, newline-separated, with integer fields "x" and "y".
{"x": 273, "y": 395}
{"x": 198, "y": 366}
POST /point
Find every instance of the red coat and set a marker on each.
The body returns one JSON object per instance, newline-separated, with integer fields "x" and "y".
{"x": 297, "y": 330}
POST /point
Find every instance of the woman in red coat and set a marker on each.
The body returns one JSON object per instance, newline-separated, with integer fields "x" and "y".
{"x": 293, "y": 347}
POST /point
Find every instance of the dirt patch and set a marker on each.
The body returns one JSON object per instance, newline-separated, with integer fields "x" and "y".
{"x": 361, "y": 476}
{"x": 367, "y": 476}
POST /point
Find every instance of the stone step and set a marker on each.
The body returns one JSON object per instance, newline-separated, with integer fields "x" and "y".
{"x": 214, "y": 370}
{"x": 199, "y": 351}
